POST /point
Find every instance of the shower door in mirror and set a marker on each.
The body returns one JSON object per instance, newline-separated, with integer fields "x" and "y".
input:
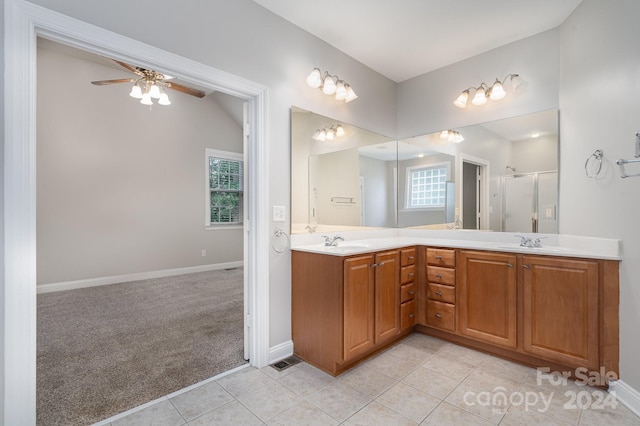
{"x": 530, "y": 202}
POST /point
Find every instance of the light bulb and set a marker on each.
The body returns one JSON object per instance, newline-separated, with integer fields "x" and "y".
{"x": 323, "y": 135}
{"x": 341, "y": 91}
{"x": 330, "y": 134}
{"x": 328, "y": 86}
{"x": 315, "y": 78}
{"x": 316, "y": 135}
{"x": 497, "y": 91}
{"x": 164, "y": 99}
{"x": 480, "y": 97}
{"x": 136, "y": 92}
{"x": 461, "y": 101}
{"x": 458, "y": 138}
{"x": 351, "y": 95}
{"x": 516, "y": 81}
{"x": 146, "y": 99}
{"x": 154, "y": 92}
{"x": 339, "y": 130}
{"x": 444, "y": 134}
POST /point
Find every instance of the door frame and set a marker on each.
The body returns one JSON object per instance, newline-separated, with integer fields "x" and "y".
{"x": 483, "y": 194}
{"x": 24, "y": 22}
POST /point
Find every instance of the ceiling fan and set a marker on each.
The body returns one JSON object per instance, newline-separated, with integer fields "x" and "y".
{"x": 149, "y": 84}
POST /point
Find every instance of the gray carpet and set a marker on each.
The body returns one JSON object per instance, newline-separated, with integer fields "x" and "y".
{"x": 104, "y": 350}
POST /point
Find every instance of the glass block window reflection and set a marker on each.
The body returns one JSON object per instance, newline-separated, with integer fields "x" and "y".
{"x": 427, "y": 187}
{"x": 225, "y": 187}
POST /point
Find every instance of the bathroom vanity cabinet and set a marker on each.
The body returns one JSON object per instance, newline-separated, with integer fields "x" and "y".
{"x": 543, "y": 311}
{"x": 346, "y": 307}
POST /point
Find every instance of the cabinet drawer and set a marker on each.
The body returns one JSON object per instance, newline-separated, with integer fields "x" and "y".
{"x": 407, "y": 292}
{"x": 441, "y": 257}
{"x": 441, "y": 315}
{"x": 442, "y": 293}
{"x": 439, "y": 275}
{"x": 407, "y": 256}
{"x": 407, "y": 274}
{"x": 407, "y": 314}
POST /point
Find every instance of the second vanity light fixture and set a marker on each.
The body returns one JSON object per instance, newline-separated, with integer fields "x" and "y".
{"x": 331, "y": 85}
{"x": 328, "y": 133}
{"x": 484, "y": 92}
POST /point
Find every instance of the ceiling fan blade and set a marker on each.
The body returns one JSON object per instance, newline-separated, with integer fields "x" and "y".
{"x": 127, "y": 66}
{"x": 184, "y": 89}
{"x": 119, "y": 80}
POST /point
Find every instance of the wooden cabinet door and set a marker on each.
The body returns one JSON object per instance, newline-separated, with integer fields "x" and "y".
{"x": 387, "y": 295}
{"x": 487, "y": 297}
{"x": 358, "y": 327}
{"x": 561, "y": 310}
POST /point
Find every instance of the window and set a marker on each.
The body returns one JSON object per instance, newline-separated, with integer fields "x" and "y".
{"x": 426, "y": 186}
{"x": 225, "y": 185}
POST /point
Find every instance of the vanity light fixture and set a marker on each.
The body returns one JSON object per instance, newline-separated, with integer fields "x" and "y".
{"x": 484, "y": 92}
{"x": 451, "y": 136}
{"x": 331, "y": 85}
{"x": 328, "y": 133}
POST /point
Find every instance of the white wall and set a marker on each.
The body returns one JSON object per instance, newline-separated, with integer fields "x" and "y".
{"x": 245, "y": 39}
{"x": 599, "y": 108}
{"x": 425, "y": 103}
{"x": 121, "y": 189}
{"x": 534, "y": 155}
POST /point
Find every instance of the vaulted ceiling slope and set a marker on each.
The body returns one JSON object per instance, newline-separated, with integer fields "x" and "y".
{"x": 402, "y": 39}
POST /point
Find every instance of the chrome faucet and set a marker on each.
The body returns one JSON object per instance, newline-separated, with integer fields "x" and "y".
{"x": 525, "y": 241}
{"x": 332, "y": 241}
{"x": 310, "y": 228}
{"x": 537, "y": 242}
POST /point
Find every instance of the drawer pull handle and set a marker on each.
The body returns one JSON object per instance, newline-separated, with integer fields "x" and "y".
{"x": 373, "y": 265}
{"x": 411, "y": 315}
{"x": 410, "y": 257}
{"x": 438, "y": 276}
{"x": 438, "y": 293}
{"x": 438, "y": 316}
{"x": 439, "y": 257}
{"x": 526, "y": 266}
{"x": 509, "y": 265}
{"x": 381, "y": 264}
{"x": 410, "y": 274}
{"x": 411, "y": 293}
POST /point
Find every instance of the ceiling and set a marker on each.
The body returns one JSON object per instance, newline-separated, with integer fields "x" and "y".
{"x": 402, "y": 39}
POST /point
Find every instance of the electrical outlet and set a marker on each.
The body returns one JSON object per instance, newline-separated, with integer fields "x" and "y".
{"x": 204, "y": 253}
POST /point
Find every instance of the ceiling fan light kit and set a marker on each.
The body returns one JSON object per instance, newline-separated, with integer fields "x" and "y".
{"x": 150, "y": 85}
{"x": 331, "y": 85}
{"x": 484, "y": 92}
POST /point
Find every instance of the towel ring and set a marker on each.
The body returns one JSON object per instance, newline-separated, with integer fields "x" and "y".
{"x": 279, "y": 233}
{"x": 592, "y": 159}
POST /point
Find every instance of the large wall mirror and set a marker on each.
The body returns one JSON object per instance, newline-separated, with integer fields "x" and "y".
{"x": 498, "y": 176}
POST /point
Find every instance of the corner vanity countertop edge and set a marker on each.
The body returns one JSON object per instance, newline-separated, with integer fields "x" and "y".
{"x": 552, "y": 245}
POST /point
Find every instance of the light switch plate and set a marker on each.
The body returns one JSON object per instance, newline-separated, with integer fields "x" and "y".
{"x": 278, "y": 213}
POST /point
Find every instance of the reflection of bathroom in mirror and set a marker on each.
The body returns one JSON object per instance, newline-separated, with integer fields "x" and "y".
{"x": 502, "y": 177}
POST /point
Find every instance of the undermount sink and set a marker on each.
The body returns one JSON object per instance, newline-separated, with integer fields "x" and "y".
{"x": 515, "y": 246}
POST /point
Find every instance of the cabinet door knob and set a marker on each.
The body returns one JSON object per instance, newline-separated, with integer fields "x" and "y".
{"x": 438, "y": 293}
{"x": 509, "y": 265}
{"x": 438, "y": 316}
{"x": 410, "y": 257}
{"x": 411, "y": 315}
{"x": 381, "y": 264}
{"x": 373, "y": 265}
{"x": 438, "y": 276}
{"x": 412, "y": 292}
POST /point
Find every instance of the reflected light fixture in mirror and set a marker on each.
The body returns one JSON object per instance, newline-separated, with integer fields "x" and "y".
{"x": 484, "y": 92}
{"x": 328, "y": 133}
{"x": 451, "y": 136}
{"x": 331, "y": 85}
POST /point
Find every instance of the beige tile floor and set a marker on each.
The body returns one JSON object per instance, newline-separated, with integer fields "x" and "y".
{"x": 420, "y": 380}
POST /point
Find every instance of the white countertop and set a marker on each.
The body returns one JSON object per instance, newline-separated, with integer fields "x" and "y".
{"x": 357, "y": 242}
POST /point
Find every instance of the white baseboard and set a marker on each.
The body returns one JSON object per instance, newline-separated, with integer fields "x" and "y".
{"x": 624, "y": 393}
{"x": 281, "y": 351}
{"x": 93, "y": 282}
